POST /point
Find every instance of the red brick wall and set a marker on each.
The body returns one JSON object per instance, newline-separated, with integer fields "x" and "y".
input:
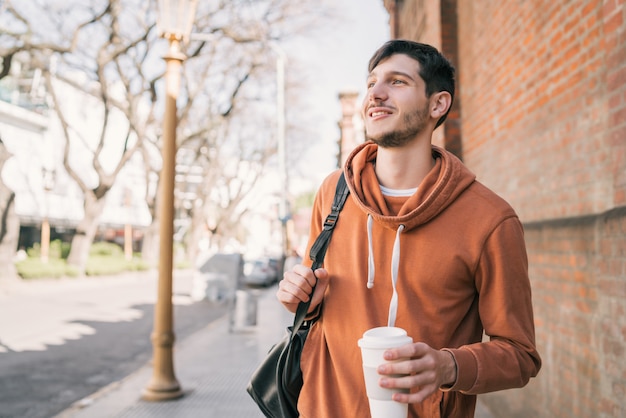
{"x": 538, "y": 93}
{"x": 449, "y": 46}
{"x": 542, "y": 94}
{"x": 577, "y": 268}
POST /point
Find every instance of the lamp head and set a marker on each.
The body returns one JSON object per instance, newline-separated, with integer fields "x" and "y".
{"x": 175, "y": 19}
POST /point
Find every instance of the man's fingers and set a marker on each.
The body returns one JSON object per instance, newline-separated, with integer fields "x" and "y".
{"x": 421, "y": 387}
{"x": 415, "y": 397}
{"x": 297, "y": 286}
{"x": 416, "y": 367}
{"x": 306, "y": 273}
{"x": 293, "y": 290}
{"x": 411, "y": 350}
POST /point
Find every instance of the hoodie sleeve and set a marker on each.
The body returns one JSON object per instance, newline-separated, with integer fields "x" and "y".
{"x": 509, "y": 359}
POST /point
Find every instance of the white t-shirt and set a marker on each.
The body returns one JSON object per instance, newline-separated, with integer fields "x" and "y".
{"x": 397, "y": 192}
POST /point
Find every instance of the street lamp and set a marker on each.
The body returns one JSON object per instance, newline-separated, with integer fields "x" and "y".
{"x": 175, "y": 21}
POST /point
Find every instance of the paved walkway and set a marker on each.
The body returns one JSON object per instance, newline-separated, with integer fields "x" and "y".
{"x": 212, "y": 366}
{"x": 53, "y": 311}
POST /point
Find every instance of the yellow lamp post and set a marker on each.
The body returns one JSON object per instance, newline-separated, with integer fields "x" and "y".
{"x": 175, "y": 22}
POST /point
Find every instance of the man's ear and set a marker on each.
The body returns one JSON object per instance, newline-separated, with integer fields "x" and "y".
{"x": 439, "y": 104}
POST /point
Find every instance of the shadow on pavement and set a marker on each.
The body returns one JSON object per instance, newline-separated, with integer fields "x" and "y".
{"x": 37, "y": 384}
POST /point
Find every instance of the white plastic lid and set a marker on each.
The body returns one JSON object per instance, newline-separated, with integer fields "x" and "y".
{"x": 384, "y": 337}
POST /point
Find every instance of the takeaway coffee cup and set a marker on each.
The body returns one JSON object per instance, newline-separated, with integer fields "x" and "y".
{"x": 373, "y": 345}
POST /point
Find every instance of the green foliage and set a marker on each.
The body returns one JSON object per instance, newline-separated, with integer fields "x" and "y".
{"x": 105, "y": 258}
{"x": 182, "y": 264}
{"x": 104, "y": 265}
{"x": 104, "y": 248}
{"x": 34, "y": 268}
{"x": 34, "y": 251}
{"x": 64, "y": 248}
{"x": 58, "y": 250}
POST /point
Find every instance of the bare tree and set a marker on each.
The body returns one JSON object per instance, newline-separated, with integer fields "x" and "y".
{"x": 227, "y": 123}
{"x": 93, "y": 56}
{"x": 106, "y": 56}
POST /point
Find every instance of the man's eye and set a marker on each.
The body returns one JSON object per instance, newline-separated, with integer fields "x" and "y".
{"x": 397, "y": 81}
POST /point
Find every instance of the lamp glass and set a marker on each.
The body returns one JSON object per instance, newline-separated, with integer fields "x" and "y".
{"x": 175, "y": 18}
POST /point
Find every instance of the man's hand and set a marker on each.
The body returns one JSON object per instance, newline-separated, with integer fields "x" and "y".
{"x": 296, "y": 286}
{"x": 427, "y": 369}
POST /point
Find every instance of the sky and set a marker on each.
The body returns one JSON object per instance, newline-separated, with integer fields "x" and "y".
{"x": 334, "y": 62}
{"x": 337, "y": 61}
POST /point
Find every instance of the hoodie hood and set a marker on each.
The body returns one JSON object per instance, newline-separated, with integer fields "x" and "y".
{"x": 445, "y": 181}
{"x": 448, "y": 178}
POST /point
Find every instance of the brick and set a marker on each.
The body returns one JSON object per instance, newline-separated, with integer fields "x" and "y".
{"x": 607, "y": 406}
{"x": 613, "y": 23}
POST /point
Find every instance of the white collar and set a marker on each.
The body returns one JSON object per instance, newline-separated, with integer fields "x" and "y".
{"x": 397, "y": 192}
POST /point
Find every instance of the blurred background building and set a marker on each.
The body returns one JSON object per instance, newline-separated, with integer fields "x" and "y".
{"x": 44, "y": 193}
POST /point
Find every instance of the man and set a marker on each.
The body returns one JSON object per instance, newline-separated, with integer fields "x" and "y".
{"x": 415, "y": 216}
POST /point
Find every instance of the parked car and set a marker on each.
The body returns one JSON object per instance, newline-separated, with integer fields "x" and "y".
{"x": 260, "y": 272}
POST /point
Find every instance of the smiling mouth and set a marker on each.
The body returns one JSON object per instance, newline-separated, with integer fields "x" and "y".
{"x": 377, "y": 113}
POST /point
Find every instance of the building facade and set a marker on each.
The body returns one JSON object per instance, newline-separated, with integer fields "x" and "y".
{"x": 540, "y": 117}
{"x": 47, "y": 202}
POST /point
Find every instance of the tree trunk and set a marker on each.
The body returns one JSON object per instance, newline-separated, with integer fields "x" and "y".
{"x": 9, "y": 233}
{"x": 9, "y": 224}
{"x": 85, "y": 233}
{"x": 150, "y": 244}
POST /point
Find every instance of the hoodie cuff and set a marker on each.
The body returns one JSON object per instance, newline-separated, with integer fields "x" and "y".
{"x": 466, "y": 370}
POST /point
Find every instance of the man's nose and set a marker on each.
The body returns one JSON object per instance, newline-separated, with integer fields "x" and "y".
{"x": 376, "y": 92}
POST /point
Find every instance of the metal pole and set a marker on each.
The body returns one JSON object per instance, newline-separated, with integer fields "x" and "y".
{"x": 164, "y": 385}
{"x": 45, "y": 240}
{"x": 283, "y": 209}
{"x": 48, "y": 184}
{"x": 128, "y": 228}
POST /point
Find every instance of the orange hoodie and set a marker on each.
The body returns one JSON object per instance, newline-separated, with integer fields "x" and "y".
{"x": 462, "y": 268}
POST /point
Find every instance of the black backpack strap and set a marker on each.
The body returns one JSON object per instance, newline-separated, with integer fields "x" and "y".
{"x": 319, "y": 247}
{"x": 318, "y": 250}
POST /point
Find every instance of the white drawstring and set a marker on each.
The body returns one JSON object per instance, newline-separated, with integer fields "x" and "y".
{"x": 395, "y": 263}
{"x": 370, "y": 257}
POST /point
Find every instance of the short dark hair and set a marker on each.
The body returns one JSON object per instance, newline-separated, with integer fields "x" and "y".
{"x": 435, "y": 69}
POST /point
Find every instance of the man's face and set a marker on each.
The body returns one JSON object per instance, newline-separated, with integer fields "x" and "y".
{"x": 395, "y": 108}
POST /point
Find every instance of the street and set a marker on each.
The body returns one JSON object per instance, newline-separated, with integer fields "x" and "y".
{"x": 62, "y": 340}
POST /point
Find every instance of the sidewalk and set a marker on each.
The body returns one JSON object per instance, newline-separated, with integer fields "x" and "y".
{"x": 212, "y": 366}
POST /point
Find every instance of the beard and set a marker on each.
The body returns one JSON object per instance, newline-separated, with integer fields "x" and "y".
{"x": 414, "y": 123}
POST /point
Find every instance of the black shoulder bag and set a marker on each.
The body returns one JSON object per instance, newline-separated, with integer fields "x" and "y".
{"x": 276, "y": 383}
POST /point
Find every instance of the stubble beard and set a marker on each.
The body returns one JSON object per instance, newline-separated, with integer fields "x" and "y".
{"x": 414, "y": 124}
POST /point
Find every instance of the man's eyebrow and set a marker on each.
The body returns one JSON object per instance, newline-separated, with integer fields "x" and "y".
{"x": 392, "y": 73}
{"x": 402, "y": 73}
